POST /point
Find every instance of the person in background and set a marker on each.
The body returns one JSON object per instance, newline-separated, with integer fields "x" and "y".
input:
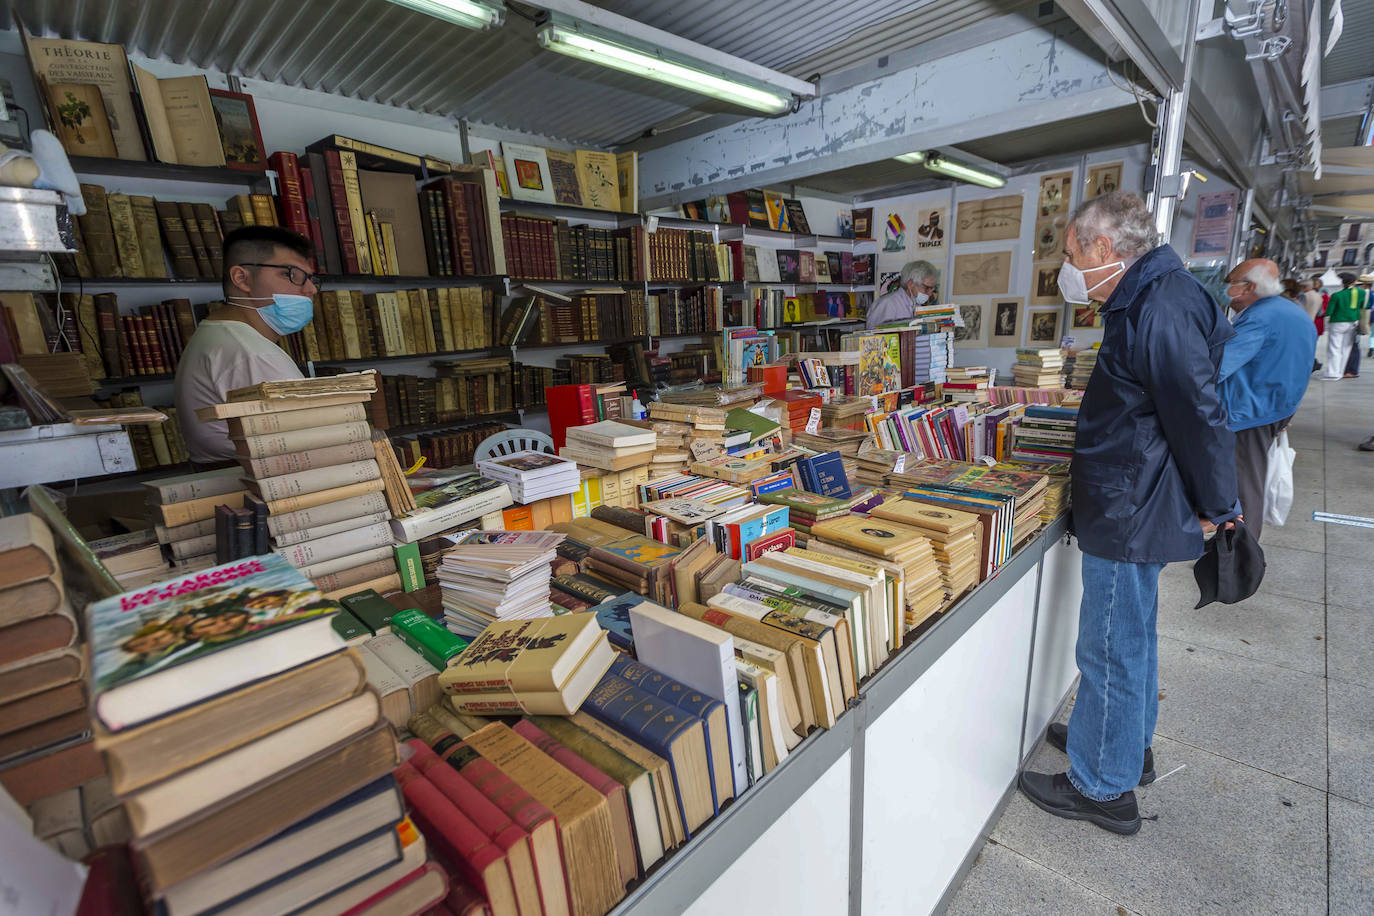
{"x": 1262, "y": 379}
{"x": 1342, "y": 318}
{"x": 268, "y": 285}
{"x": 1352, "y": 364}
{"x": 1153, "y": 465}
{"x": 917, "y": 287}
{"x": 1292, "y": 290}
{"x": 1312, "y": 305}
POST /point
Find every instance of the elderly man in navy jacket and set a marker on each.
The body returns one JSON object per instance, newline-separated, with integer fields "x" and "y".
{"x": 1153, "y": 463}
{"x": 1264, "y": 373}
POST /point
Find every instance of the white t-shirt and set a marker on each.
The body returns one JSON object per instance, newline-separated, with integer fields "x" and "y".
{"x": 222, "y": 356}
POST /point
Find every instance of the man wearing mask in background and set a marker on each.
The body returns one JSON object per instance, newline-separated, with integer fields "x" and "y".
{"x": 1264, "y": 374}
{"x": 918, "y": 286}
{"x": 268, "y": 285}
{"x": 1153, "y": 465}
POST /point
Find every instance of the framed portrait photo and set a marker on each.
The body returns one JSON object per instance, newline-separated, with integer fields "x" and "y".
{"x": 239, "y": 133}
{"x": 1007, "y": 316}
{"x": 1042, "y": 327}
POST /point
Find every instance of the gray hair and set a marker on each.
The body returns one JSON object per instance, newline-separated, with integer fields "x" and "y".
{"x": 1122, "y": 218}
{"x": 1265, "y": 280}
{"x": 920, "y": 272}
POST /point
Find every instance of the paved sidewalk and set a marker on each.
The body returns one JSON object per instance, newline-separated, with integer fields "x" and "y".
{"x": 1265, "y": 742}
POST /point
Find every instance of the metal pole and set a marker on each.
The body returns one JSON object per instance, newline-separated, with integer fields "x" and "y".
{"x": 1168, "y": 152}
{"x": 1242, "y": 232}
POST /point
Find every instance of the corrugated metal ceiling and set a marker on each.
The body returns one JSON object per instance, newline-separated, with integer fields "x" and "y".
{"x": 1353, "y": 56}
{"x": 374, "y": 50}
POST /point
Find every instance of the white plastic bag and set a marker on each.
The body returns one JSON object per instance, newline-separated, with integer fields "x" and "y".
{"x": 1278, "y": 481}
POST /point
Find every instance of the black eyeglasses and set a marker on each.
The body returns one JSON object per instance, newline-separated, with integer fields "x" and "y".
{"x": 294, "y": 275}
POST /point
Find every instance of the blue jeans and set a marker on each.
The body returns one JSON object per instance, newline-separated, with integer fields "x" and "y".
{"x": 1113, "y": 719}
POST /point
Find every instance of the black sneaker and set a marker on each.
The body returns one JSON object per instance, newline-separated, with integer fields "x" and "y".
{"x": 1058, "y": 736}
{"x": 1055, "y": 794}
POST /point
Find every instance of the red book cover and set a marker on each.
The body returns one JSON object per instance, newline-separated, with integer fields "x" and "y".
{"x": 463, "y": 900}
{"x": 738, "y": 203}
{"x": 613, "y": 792}
{"x": 568, "y": 406}
{"x": 129, "y": 326}
{"x": 491, "y": 820}
{"x": 507, "y": 244}
{"x": 152, "y": 341}
{"x": 456, "y": 838}
{"x": 343, "y": 222}
{"x": 455, "y": 202}
{"x": 316, "y": 235}
{"x": 778, "y": 540}
{"x": 291, "y": 201}
{"x": 472, "y": 195}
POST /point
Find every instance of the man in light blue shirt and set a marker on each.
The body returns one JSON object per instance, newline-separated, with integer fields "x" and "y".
{"x": 918, "y": 287}
{"x": 1265, "y": 369}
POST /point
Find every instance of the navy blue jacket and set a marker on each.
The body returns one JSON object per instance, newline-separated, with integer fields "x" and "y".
{"x": 1153, "y": 452}
{"x": 1268, "y": 364}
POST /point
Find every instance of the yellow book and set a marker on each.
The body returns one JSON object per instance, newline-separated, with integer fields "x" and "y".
{"x": 393, "y": 264}
{"x": 441, "y": 303}
{"x": 348, "y": 164}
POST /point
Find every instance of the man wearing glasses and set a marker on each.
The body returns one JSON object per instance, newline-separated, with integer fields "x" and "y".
{"x": 918, "y": 282}
{"x": 268, "y": 287}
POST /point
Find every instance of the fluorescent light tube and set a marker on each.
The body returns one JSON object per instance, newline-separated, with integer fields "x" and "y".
{"x": 652, "y": 64}
{"x": 470, "y": 14}
{"x": 937, "y": 162}
{"x": 911, "y": 158}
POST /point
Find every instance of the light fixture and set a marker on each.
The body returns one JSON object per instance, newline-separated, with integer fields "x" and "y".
{"x": 470, "y": 14}
{"x": 939, "y": 162}
{"x": 608, "y": 49}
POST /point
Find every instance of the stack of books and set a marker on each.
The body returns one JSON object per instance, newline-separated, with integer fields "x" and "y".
{"x": 251, "y": 759}
{"x": 609, "y": 445}
{"x": 904, "y": 547}
{"x": 1038, "y": 368}
{"x": 183, "y": 513}
{"x": 445, "y": 507}
{"x": 671, "y": 441}
{"x": 637, "y": 563}
{"x": 799, "y": 405}
{"x": 47, "y": 761}
{"x": 1084, "y": 361}
{"x": 488, "y": 576}
{"x": 844, "y": 412}
{"x": 805, "y": 509}
{"x": 931, "y": 357}
{"x": 532, "y": 475}
{"x": 1046, "y": 433}
{"x": 967, "y": 385}
{"x": 707, "y": 423}
{"x": 954, "y": 536}
{"x": 134, "y": 559}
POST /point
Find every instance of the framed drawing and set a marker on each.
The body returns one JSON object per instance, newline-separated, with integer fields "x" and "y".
{"x": 974, "y": 333}
{"x": 1007, "y": 318}
{"x": 1103, "y": 179}
{"x": 988, "y": 272}
{"x": 1042, "y": 327}
{"x": 1045, "y": 283}
{"x": 528, "y": 168}
{"x": 994, "y": 219}
{"x": 239, "y": 133}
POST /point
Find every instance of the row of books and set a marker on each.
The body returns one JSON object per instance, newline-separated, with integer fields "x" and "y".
{"x": 689, "y": 254}
{"x": 155, "y": 445}
{"x": 774, "y": 307}
{"x": 541, "y": 248}
{"x": 698, "y": 310}
{"x": 459, "y": 391}
{"x": 351, "y": 324}
{"x": 580, "y": 317}
{"x": 792, "y": 265}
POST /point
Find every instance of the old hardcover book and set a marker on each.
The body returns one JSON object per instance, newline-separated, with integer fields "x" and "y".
{"x": 57, "y": 701}
{"x": 184, "y": 264}
{"x": 55, "y": 630}
{"x": 141, "y": 756}
{"x": 249, "y": 818}
{"x": 583, "y": 816}
{"x": 199, "y": 249}
{"x": 27, "y": 551}
{"x": 36, "y": 673}
{"x": 314, "y": 437}
{"x": 598, "y": 175}
{"x": 310, "y": 481}
{"x": 126, "y": 236}
{"x": 391, "y": 195}
{"x": 180, "y": 119}
{"x": 195, "y": 510}
{"x": 98, "y": 233}
{"x": 321, "y": 497}
{"x": 63, "y": 769}
{"x": 167, "y": 490}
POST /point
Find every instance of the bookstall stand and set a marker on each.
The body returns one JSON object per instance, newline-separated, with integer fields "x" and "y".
{"x": 885, "y": 812}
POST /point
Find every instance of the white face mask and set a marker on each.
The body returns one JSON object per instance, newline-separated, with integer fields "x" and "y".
{"x": 921, "y": 298}
{"x": 1073, "y": 285}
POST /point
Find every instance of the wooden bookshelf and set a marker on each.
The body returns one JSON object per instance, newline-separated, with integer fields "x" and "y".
{"x": 162, "y": 171}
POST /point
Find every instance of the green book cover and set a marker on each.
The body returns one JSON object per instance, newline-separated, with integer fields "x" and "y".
{"x": 419, "y": 631}
{"x": 349, "y": 627}
{"x": 758, "y": 427}
{"x": 371, "y": 608}
{"x": 408, "y": 565}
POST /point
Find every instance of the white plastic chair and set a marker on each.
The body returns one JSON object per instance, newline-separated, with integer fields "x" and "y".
{"x": 510, "y": 441}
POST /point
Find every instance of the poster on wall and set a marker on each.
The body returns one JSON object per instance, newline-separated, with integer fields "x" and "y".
{"x": 1042, "y": 327}
{"x": 974, "y": 333}
{"x": 1216, "y": 219}
{"x": 1045, "y": 283}
{"x": 894, "y": 232}
{"x": 995, "y": 219}
{"x": 1087, "y": 316}
{"x": 982, "y": 273}
{"x": 1103, "y": 179}
{"x": 1049, "y": 237}
{"x": 1006, "y": 323}
{"x": 930, "y": 230}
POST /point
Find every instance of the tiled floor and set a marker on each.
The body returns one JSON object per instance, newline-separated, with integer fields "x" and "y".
{"x": 1265, "y": 742}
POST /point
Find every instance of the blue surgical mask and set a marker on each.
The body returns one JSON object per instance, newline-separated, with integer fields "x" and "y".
{"x": 288, "y": 313}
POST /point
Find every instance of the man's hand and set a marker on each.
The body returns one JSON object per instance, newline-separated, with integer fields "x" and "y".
{"x": 1208, "y": 528}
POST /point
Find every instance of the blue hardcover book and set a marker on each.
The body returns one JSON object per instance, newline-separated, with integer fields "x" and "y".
{"x": 661, "y": 726}
{"x": 709, "y": 710}
{"x": 780, "y": 481}
{"x": 614, "y": 617}
{"x": 824, "y": 474}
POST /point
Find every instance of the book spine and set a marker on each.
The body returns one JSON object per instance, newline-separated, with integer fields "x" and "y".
{"x": 331, "y": 262}
{"x": 125, "y": 235}
{"x": 191, "y": 226}
{"x": 286, "y": 421}
{"x": 348, "y": 167}
{"x": 353, "y": 576}
{"x": 343, "y": 215}
{"x": 339, "y": 475}
{"x": 178, "y": 242}
{"x": 309, "y": 459}
{"x": 320, "y": 497}
{"x": 98, "y": 234}
{"x": 462, "y": 844}
{"x": 292, "y": 198}
{"x": 289, "y": 537}
{"x": 302, "y": 439}
{"x": 320, "y": 550}
{"x": 212, "y": 236}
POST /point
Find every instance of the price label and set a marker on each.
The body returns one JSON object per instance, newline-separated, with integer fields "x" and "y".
{"x": 899, "y": 465}
{"x": 813, "y": 425}
{"x": 988, "y": 460}
{"x": 704, "y": 451}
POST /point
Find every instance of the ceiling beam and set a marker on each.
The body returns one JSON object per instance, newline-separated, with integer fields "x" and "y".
{"x": 1347, "y": 100}
{"x": 1018, "y": 81}
{"x": 1129, "y": 29}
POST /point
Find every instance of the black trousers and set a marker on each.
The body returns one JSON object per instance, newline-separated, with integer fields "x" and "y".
{"x": 1252, "y": 464}
{"x": 1352, "y": 365}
